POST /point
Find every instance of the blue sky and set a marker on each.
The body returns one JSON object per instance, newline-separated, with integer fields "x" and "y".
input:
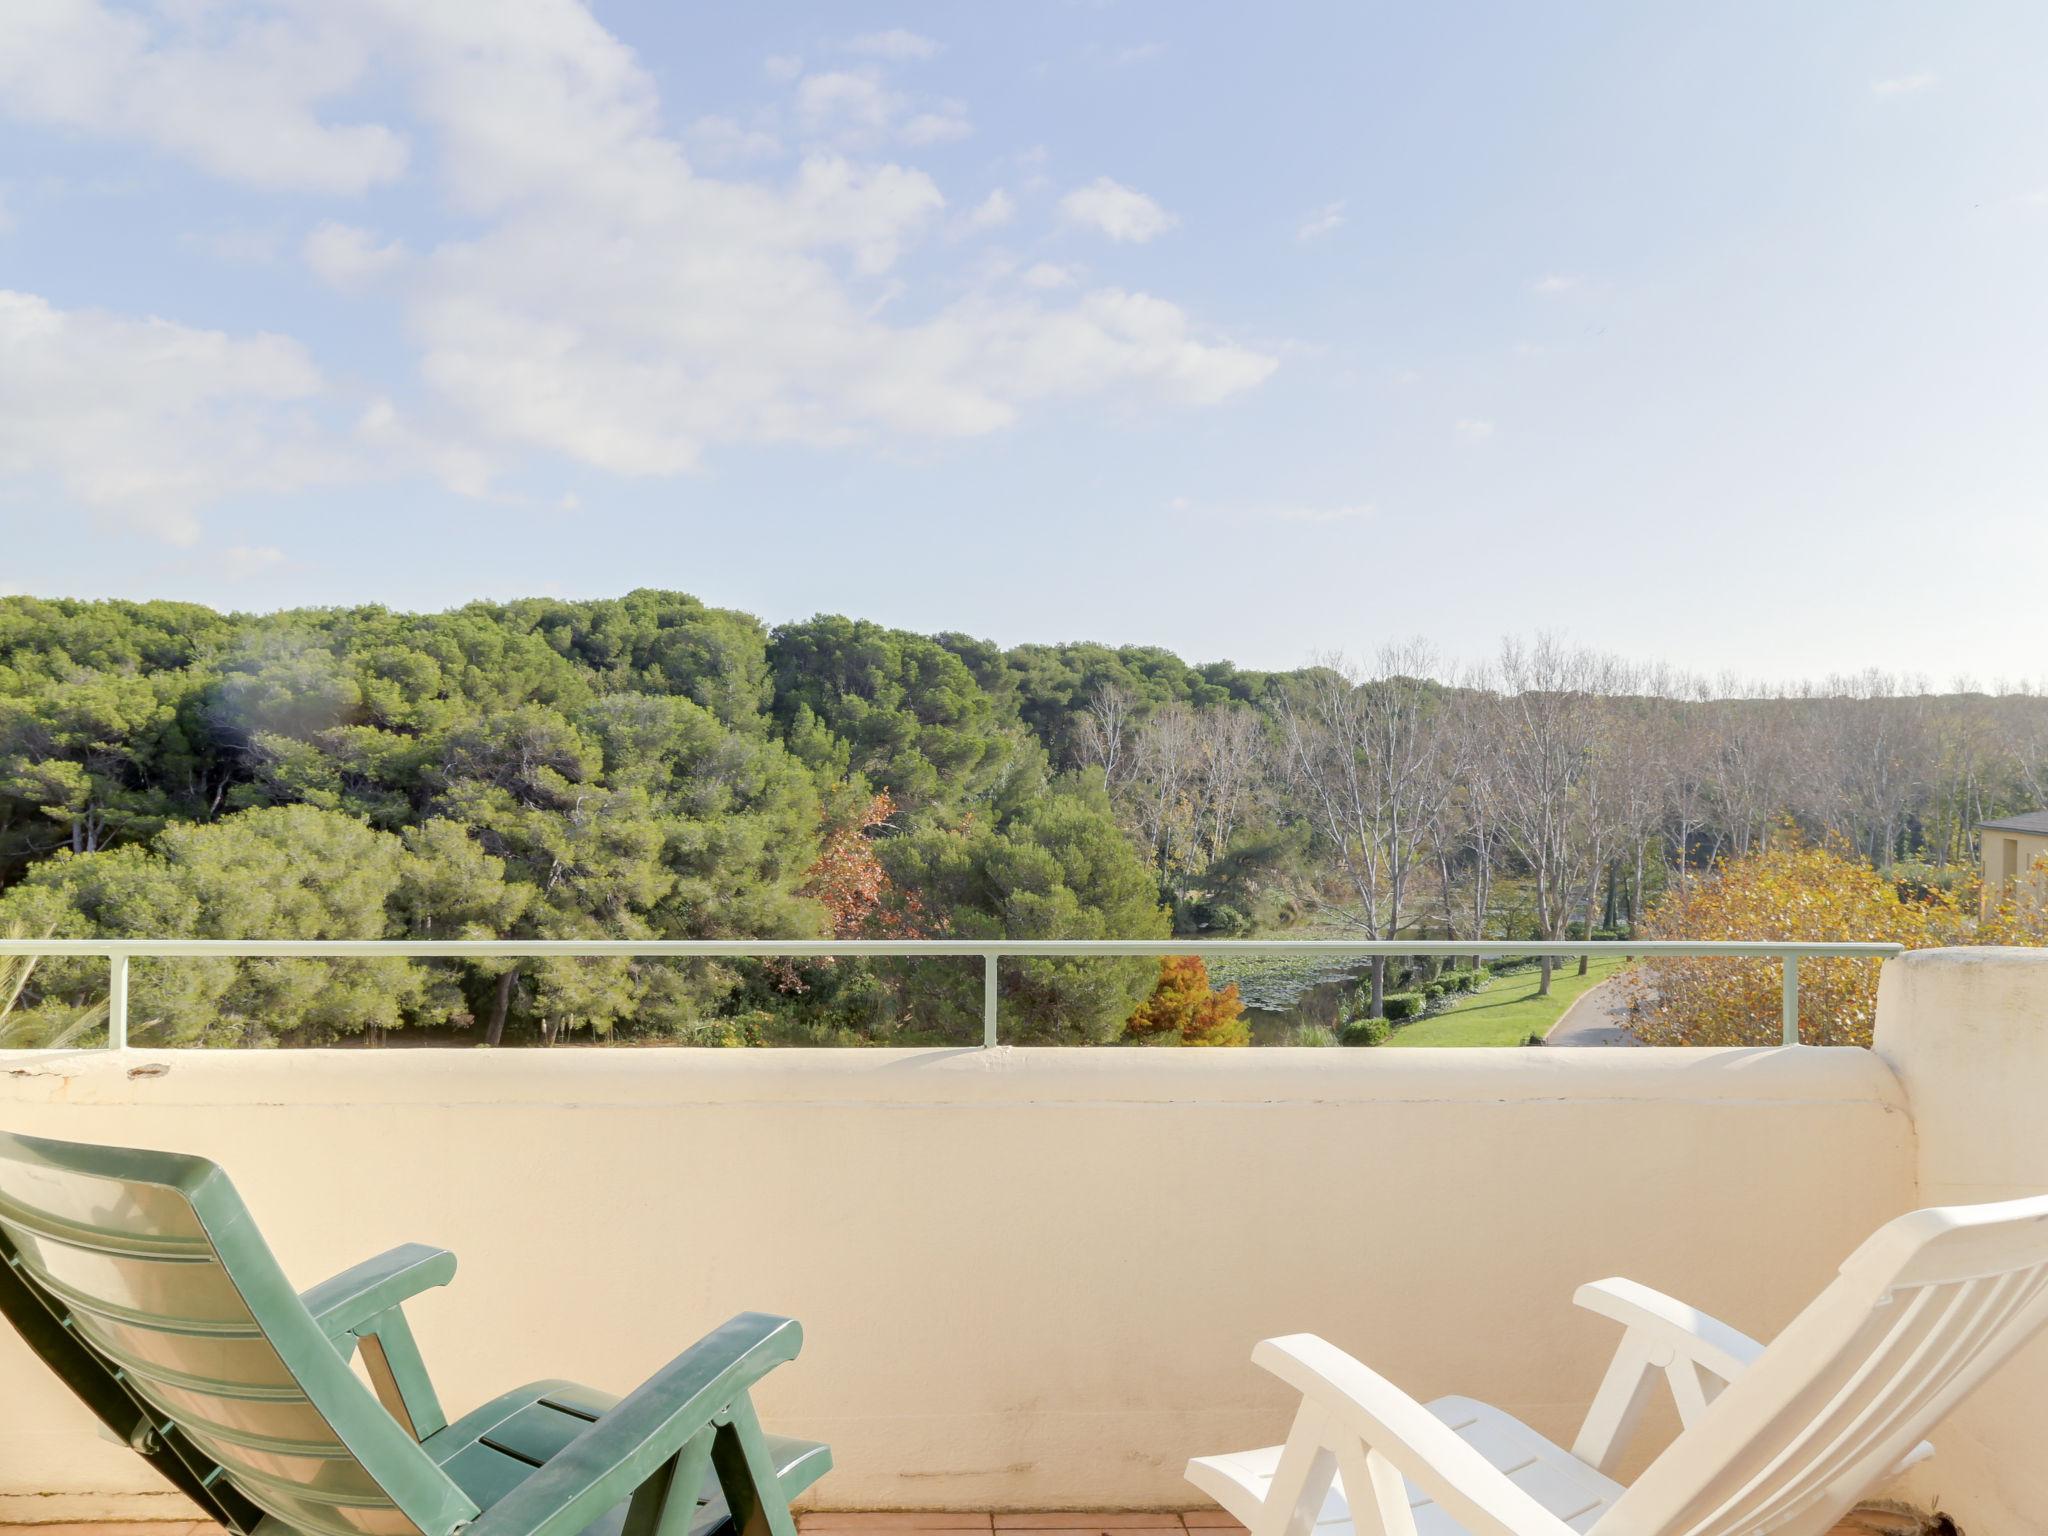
{"x": 1706, "y": 334}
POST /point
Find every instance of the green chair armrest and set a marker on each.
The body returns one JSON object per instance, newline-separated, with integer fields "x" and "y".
{"x": 670, "y": 1420}
{"x": 360, "y": 1309}
{"x": 360, "y": 1294}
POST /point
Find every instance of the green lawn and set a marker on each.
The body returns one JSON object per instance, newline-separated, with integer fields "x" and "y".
{"x": 1507, "y": 1010}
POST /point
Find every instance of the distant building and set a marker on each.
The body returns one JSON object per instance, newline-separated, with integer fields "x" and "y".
{"x": 2009, "y": 848}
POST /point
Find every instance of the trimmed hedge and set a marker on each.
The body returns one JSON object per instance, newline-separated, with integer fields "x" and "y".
{"x": 1366, "y": 1031}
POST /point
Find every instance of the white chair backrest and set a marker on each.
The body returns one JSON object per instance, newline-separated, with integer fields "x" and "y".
{"x": 1919, "y": 1314}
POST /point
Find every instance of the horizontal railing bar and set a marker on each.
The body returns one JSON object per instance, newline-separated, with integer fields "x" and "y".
{"x": 459, "y": 949}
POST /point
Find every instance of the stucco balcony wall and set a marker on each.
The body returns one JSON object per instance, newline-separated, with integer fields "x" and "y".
{"x": 1966, "y": 1030}
{"x": 1028, "y": 1278}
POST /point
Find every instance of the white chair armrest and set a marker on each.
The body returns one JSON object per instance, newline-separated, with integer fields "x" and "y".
{"x": 1686, "y": 1332}
{"x": 1663, "y": 1334}
{"x": 1698, "y": 1355}
{"x": 1389, "y": 1435}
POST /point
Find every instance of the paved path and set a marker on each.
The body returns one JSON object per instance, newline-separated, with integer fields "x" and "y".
{"x": 1598, "y": 1016}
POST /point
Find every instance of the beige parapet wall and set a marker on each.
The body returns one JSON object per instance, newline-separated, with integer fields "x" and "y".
{"x": 1967, "y": 1032}
{"x": 1028, "y": 1278}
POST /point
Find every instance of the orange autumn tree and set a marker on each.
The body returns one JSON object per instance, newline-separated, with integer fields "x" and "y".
{"x": 1791, "y": 893}
{"x": 1184, "y": 1005}
{"x": 848, "y": 881}
{"x": 859, "y": 898}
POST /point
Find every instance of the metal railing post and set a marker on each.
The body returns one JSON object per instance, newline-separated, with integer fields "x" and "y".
{"x": 117, "y": 1003}
{"x": 988, "y": 1001}
{"x": 1791, "y": 999}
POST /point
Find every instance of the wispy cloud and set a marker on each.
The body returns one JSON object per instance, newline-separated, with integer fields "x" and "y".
{"x": 1046, "y": 275}
{"x": 1553, "y": 283}
{"x": 1123, "y": 213}
{"x": 1476, "y": 428}
{"x": 943, "y": 124}
{"x": 1903, "y": 85}
{"x": 1323, "y": 221}
{"x": 858, "y": 108}
{"x": 250, "y": 107}
{"x": 896, "y": 44}
{"x": 723, "y": 141}
{"x": 145, "y": 421}
{"x": 993, "y": 211}
{"x": 759, "y": 311}
{"x": 343, "y": 256}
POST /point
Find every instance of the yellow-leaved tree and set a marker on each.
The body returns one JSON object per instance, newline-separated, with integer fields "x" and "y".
{"x": 2020, "y": 915}
{"x": 1787, "y": 892}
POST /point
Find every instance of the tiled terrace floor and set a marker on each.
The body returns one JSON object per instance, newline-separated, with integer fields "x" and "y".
{"x": 1193, "y": 1522}
{"x": 1202, "y": 1522}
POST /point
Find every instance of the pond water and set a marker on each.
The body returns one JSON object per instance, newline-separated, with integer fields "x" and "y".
{"x": 1281, "y": 993}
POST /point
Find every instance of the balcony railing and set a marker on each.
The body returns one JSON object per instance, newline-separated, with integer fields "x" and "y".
{"x": 120, "y": 952}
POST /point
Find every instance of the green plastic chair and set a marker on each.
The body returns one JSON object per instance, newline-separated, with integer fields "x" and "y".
{"x": 141, "y": 1280}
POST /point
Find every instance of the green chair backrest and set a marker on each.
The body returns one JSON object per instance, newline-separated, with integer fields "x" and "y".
{"x": 152, "y": 1260}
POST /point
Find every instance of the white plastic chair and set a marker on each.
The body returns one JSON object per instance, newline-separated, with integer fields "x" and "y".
{"x": 1782, "y": 1439}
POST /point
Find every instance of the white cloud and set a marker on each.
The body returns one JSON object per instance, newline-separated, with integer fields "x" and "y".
{"x": 1323, "y": 221}
{"x": 993, "y": 211}
{"x": 721, "y": 141}
{"x": 857, "y": 108}
{"x": 1903, "y": 85}
{"x": 1553, "y": 283}
{"x": 398, "y": 444}
{"x": 896, "y": 44}
{"x": 608, "y": 300}
{"x": 344, "y": 256}
{"x": 239, "y": 98}
{"x": 147, "y": 421}
{"x": 1475, "y": 428}
{"x": 782, "y": 66}
{"x": 1047, "y": 275}
{"x": 941, "y": 125}
{"x": 846, "y": 98}
{"x": 1118, "y": 211}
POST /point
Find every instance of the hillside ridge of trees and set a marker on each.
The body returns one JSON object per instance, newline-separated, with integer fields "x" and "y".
{"x": 652, "y": 766}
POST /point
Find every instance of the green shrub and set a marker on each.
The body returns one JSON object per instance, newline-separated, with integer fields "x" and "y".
{"x": 1477, "y": 977}
{"x": 1435, "y": 989}
{"x": 1367, "y": 1031}
{"x": 1315, "y": 1034}
{"x": 1401, "y": 1006}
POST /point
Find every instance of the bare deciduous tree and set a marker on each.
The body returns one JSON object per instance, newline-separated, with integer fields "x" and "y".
{"x": 1366, "y": 754}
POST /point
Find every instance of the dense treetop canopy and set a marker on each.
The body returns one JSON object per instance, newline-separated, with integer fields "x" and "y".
{"x": 645, "y": 766}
